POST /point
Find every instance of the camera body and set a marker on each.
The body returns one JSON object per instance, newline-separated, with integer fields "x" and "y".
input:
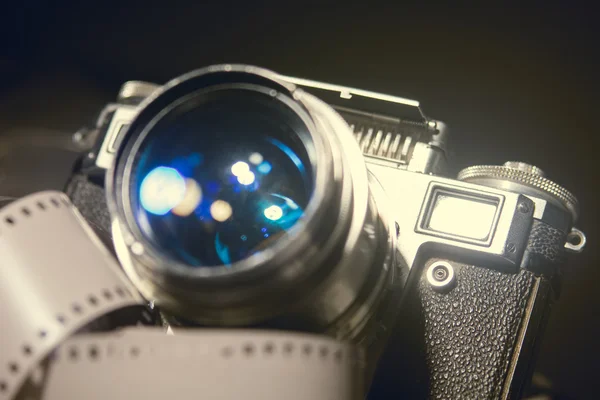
{"x": 464, "y": 278}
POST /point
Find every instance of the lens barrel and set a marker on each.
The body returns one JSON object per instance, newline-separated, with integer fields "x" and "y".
{"x": 237, "y": 198}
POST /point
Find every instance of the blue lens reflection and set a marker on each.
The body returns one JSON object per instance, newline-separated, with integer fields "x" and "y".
{"x": 264, "y": 167}
{"x": 161, "y": 190}
{"x": 220, "y": 181}
{"x": 290, "y": 153}
{"x": 222, "y": 251}
{"x": 274, "y": 215}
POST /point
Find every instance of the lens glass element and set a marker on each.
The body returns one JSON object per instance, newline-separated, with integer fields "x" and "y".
{"x": 221, "y": 176}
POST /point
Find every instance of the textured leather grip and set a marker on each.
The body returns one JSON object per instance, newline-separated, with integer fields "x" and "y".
{"x": 90, "y": 199}
{"x": 545, "y": 249}
{"x": 471, "y": 331}
{"x": 480, "y": 335}
{"x": 546, "y": 241}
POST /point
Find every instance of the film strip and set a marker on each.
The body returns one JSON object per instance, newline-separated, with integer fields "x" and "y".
{"x": 204, "y": 363}
{"x": 56, "y": 279}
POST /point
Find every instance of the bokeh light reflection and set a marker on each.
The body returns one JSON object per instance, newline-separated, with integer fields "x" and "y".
{"x": 161, "y": 190}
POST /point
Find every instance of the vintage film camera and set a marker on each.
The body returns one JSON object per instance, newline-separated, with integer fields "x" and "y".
{"x": 237, "y": 197}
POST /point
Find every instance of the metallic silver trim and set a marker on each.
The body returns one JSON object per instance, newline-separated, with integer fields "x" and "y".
{"x": 410, "y": 145}
{"x": 469, "y": 195}
{"x": 440, "y": 275}
{"x": 427, "y": 159}
{"x": 348, "y": 92}
{"x": 55, "y": 278}
{"x": 208, "y": 364}
{"x": 408, "y": 193}
{"x": 136, "y": 90}
{"x": 123, "y": 115}
{"x": 108, "y": 109}
{"x": 521, "y": 166}
{"x": 520, "y": 340}
{"x": 405, "y": 148}
{"x": 579, "y": 237}
{"x": 551, "y": 214}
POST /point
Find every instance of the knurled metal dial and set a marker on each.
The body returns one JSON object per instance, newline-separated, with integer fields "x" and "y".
{"x": 524, "y": 174}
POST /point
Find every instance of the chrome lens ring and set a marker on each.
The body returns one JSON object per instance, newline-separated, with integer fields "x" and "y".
{"x": 276, "y": 270}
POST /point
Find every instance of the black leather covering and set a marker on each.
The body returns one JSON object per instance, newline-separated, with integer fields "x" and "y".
{"x": 545, "y": 250}
{"x": 90, "y": 200}
{"x": 471, "y": 330}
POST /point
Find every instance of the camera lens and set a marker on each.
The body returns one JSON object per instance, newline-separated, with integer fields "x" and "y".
{"x": 239, "y": 199}
{"x": 221, "y": 175}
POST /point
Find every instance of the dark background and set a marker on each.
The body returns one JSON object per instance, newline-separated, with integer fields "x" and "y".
{"x": 512, "y": 84}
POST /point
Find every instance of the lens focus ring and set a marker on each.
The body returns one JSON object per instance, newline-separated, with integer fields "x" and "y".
{"x": 227, "y": 191}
